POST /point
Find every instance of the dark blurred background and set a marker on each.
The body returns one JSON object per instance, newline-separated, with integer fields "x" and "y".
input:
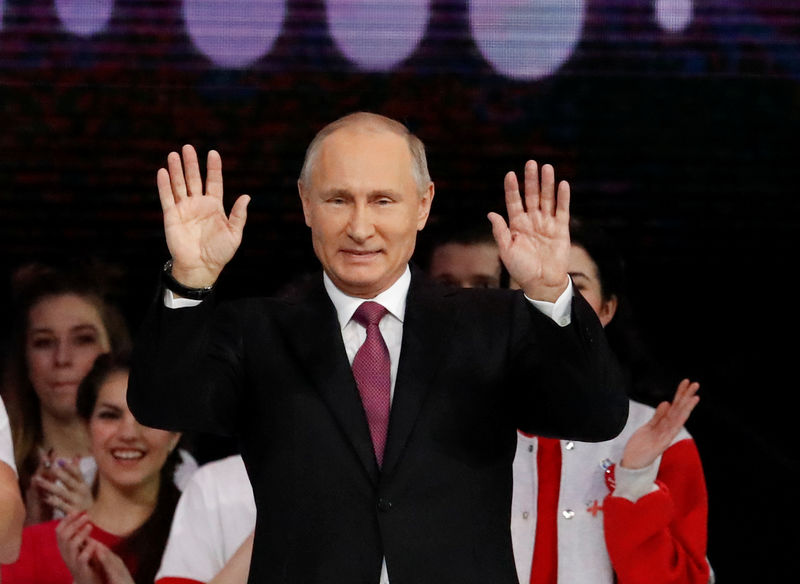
{"x": 676, "y": 122}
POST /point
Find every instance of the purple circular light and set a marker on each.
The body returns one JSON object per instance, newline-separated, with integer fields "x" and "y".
{"x": 84, "y": 17}
{"x": 376, "y": 35}
{"x": 234, "y": 33}
{"x": 673, "y": 15}
{"x": 527, "y": 39}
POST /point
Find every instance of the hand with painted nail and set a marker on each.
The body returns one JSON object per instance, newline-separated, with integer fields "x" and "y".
{"x": 64, "y": 487}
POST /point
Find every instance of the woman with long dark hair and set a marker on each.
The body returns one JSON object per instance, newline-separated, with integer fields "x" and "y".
{"x": 121, "y": 537}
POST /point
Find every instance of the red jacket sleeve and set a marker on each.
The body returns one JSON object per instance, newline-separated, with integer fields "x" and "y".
{"x": 661, "y": 539}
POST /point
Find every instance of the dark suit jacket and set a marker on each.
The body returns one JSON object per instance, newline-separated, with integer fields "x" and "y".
{"x": 475, "y": 365}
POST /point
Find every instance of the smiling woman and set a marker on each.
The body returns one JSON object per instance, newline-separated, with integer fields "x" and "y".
{"x": 125, "y": 529}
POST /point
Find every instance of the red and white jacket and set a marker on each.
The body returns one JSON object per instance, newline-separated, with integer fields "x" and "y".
{"x": 647, "y": 526}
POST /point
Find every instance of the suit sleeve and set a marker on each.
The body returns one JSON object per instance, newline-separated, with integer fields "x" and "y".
{"x": 661, "y": 538}
{"x": 566, "y": 380}
{"x": 186, "y": 372}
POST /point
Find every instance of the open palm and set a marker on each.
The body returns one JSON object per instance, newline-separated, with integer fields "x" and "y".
{"x": 534, "y": 245}
{"x": 201, "y": 238}
{"x": 653, "y": 438}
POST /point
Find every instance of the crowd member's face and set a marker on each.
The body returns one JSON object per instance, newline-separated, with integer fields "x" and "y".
{"x": 364, "y": 208}
{"x": 65, "y": 335}
{"x": 474, "y": 265}
{"x": 128, "y": 454}
{"x": 584, "y": 274}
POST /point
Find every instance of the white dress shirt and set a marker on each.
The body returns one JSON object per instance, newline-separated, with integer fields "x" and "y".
{"x": 391, "y": 326}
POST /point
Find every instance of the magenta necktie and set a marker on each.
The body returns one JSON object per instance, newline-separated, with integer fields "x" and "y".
{"x": 372, "y": 371}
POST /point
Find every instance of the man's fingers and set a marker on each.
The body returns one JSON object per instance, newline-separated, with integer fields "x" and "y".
{"x": 191, "y": 170}
{"x": 238, "y": 215}
{"x": 502, "y": 235}
{"x": 532, "y": 185}
{"x": 214, "y": 174}
{"x": 514, "y": 206}
{"x": 176, "y": 179}
{"x": 165, "y": 190}
{"x": 562, "y": 200}
{"x": 547, "y": 194}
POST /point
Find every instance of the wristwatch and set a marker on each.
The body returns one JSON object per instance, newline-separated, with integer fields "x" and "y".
{"x": 170, "y": 283}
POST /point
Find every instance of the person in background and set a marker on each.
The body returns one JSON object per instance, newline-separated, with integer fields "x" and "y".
{"x": 465, "y": 256}
{"x": 12, "y": 510}
{"x": 632, "y": 510}
{"x": 211, "y": 537}
{"x": 120, "y": 538}
{"x": 64, "y": 320}
{"x": 651, "y": 527}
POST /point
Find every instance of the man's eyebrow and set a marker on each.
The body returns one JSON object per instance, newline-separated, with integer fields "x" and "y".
{"x": 574, "y": 275}
{"x": 343, "y": 192}
{"x": 383, "y": 193}
{"x": 336, "y": 192}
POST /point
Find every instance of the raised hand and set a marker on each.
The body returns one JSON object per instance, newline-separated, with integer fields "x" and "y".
{"x": 534, "y": 245}
{"x": 652, "y": 439}
{"x": 201, "y": 238}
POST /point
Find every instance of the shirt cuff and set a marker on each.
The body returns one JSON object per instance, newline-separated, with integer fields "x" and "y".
{"x": 171, "y": 302}
{"x": 559, "y": 311}
{"x": 634, "y": 483}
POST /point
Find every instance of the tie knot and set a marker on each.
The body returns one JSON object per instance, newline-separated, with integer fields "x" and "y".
{"x": 369, "y": 313}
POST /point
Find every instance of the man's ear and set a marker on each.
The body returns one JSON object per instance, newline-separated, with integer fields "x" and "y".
{"x": 608, "y": 310}
{"x": 304, "y": 201}
{"x": 425, "y": 202}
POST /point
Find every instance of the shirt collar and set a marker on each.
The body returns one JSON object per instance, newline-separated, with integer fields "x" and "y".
{"x": 392, "y": 299}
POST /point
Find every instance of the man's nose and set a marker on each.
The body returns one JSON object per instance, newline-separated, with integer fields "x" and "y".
{"x": 360, "y": 226}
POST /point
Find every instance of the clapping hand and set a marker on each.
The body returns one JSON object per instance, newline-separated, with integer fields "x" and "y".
{"x": 201, "y": 238}
{"x": 88, "y": 560}
{"x": 534, "y": 245}
{"x": 653, "y": 438}
{"x": 63, "y": 487}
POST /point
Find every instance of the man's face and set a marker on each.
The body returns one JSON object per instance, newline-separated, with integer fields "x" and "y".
{"x": 364, "y": 209}
{"x": 473, "y": 265}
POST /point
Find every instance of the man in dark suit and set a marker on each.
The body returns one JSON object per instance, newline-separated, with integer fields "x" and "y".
{"x": 379, "y": 448}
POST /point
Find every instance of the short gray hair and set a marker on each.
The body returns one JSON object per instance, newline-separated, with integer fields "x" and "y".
{"x": 419, "y": 167}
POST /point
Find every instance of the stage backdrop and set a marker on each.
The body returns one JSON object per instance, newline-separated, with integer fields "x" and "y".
{"x": 676, "y": 122}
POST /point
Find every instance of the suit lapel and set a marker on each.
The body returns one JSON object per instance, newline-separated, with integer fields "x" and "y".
{"x": 425, "y": 330}
{"x": 314, "y": 333}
